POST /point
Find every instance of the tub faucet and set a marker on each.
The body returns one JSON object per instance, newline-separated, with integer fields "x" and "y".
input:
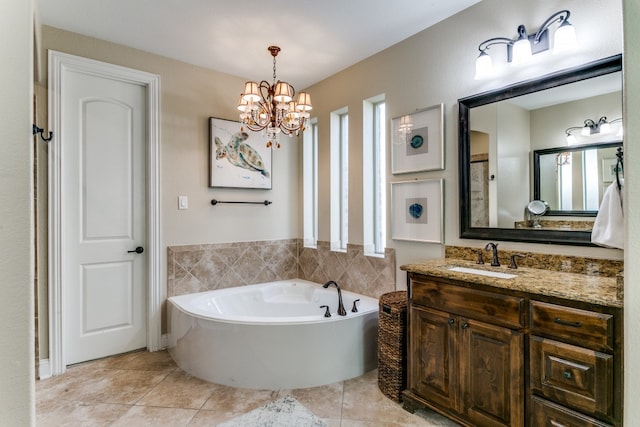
{"x": 494, "y": 249}
{"x": 327, "y": 313}
{"x": 354, "y": 309}
{"x": 341, "y": 310}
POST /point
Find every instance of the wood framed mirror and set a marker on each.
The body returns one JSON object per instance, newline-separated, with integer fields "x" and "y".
{"x": 508, "y": 174}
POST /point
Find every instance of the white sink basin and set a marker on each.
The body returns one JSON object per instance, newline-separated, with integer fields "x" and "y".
{"x": 495, "y": 274}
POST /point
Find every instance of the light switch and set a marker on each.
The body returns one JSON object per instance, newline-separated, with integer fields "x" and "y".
{"x": 183, "y": 202}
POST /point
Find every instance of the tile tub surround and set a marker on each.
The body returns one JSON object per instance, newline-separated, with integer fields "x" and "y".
{"x": 562, "y": 263}
{"x": 353, "y": 270}
{"x": 198, "y": 268}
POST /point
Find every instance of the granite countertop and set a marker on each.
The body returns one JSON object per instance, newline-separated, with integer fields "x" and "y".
{"x": 572, "y": 286}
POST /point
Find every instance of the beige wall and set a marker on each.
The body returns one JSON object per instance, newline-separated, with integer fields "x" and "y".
{"x": 437, "y": 65}
{"x": 16, "y": 221}
{"x": 189, "y": 96}
{"x": 631, "y": 111}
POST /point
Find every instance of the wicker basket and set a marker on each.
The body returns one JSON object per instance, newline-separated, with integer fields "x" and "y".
{"x": 392, "y": 360}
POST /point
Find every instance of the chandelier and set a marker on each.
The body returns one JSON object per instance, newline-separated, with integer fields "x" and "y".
{"x": 270, "y": 107}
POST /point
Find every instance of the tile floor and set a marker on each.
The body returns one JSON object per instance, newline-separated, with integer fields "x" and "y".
{"x": 142, "y": 388}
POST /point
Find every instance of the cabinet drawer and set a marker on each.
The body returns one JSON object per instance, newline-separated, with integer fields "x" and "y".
{"x": 573, "y": 376}
{"x": 548, "y": 414}
{"x": 493, "y": 307}
{"x": 585, "y": 328}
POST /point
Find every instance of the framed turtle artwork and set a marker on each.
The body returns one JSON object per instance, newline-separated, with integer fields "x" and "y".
{"x": 237, "y": 158}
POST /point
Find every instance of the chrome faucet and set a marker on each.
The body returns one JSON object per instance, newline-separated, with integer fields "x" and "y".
{"x": 341, "y": 310}
{"x": 494, "y": 248}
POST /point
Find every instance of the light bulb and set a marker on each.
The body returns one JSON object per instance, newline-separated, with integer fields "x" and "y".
{"x": 521, "y": 51}
{"x": 564, "y": 38}
{"x": 484, "y": 66}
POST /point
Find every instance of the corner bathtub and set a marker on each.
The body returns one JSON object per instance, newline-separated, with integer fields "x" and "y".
{"x": 273, "y": 335}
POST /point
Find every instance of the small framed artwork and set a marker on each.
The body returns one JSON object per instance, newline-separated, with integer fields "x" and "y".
{"x": 609, "y": 166}
{"x": 417, "y": 142}
{"x": 237, "y": 159}
{"x": 416, "y": 210}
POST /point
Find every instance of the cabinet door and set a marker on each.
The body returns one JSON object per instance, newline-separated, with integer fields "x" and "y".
{"x": 491, "y": 372}
{"x": 432, "y": 361}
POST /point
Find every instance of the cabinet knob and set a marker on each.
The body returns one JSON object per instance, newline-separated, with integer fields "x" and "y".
{"x": 465, "y": 325}
{"x": 451, "y": 321}
{"x": 567, "y": 375}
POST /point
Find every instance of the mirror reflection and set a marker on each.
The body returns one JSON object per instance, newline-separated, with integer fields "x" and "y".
{"x": 503, "y": 134}
{"x": 572, "y": 180}
{"x": 500, "y": 132}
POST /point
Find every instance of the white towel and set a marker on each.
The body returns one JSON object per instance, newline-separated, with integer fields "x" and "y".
{"x": 608, "y": 229}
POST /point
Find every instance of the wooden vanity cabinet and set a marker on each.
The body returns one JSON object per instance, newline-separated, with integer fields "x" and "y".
{"x": 507, "y": 358}
{"x": 575, "y": 365}
{"x": 465, "y": 353}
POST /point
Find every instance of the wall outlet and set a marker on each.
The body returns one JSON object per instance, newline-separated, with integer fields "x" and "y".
{"x": 183, "y": 202}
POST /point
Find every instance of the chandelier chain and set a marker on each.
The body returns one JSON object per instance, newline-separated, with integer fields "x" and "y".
{"x": 274, "y": 69}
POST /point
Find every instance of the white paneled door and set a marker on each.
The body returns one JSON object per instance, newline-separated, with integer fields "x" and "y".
{"x": 103, "y": 139}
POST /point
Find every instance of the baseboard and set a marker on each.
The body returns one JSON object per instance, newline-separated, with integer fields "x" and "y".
{"x": 164, "y": 342}
{"x": 44, "y": 369}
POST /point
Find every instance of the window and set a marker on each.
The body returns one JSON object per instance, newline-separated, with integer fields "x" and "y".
{"x": 310, "y": 184}
{"x": 374, "y": 179}
{"x": 339, "y": 179}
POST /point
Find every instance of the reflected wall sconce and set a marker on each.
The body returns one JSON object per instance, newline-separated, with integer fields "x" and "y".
{"x": 591, "y": 127}
{"x": 524, "y": 46}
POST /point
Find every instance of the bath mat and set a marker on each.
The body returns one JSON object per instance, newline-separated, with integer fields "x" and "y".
{"x": 285, "y": 412}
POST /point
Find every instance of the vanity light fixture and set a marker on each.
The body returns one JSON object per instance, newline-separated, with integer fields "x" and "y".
{"x": 591, "y": 127}
{"x": 526, "y": 45}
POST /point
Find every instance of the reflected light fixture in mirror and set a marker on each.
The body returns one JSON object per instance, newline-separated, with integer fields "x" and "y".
{"x": 591, "y": 127}
{"x": 405, "y": 128}
{"x": 525, "y": 45}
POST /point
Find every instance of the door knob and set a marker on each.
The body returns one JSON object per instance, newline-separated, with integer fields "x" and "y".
{"x": 137, "y": 250}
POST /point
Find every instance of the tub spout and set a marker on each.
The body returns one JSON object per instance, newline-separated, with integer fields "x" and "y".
{"x": 341, "y": 310}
